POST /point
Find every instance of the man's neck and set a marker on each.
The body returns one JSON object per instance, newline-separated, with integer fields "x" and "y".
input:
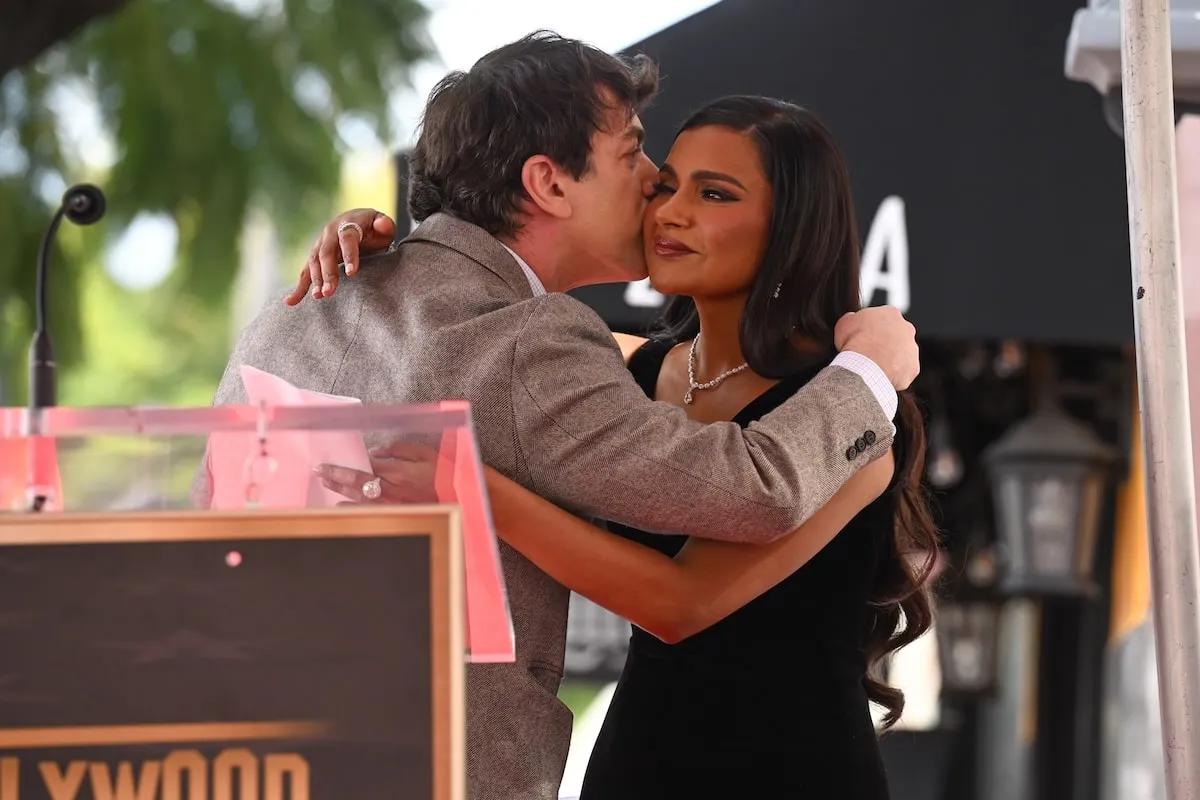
{"x": 544, "y": 255}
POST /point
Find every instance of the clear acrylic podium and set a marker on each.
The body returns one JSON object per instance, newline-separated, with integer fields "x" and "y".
{"x": 193, "y": 614}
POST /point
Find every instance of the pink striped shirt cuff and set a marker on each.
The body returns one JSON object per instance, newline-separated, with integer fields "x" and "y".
{"x": 875, "y": 379}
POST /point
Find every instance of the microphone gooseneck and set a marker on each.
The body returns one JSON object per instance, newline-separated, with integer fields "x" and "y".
{"x": 43, "y": 378}
{"x": 82, "y": 204}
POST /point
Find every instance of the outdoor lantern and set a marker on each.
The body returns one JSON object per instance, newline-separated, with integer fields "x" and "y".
{"x": 944, "y": 466}
{"x": 1048, "y": 475}
{"x": 968, "y": 630}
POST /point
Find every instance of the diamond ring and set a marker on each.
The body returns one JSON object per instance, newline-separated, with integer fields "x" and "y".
{"x": 372, "y": 489}
{"x": 348, "y": 225}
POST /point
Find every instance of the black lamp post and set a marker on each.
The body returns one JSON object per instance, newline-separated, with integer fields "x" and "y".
{"x": 968, "y": 629}
{"x": 1048, "y": 474}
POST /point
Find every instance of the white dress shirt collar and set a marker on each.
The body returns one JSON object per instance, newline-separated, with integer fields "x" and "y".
{"x": 535, "y": 283}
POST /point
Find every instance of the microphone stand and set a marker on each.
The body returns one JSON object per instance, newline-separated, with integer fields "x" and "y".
{"x": 82, "y": 204}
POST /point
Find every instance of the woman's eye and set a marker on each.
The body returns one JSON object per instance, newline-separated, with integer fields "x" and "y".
{"x": 713, "y": 194}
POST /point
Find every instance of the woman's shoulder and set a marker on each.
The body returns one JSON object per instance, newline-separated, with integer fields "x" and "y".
{"x": 629, "y": 344}
{"x": 643, "y": 350}
{"x": 645, "y": 358}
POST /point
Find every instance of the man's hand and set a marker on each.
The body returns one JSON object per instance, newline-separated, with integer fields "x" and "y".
{"x": 340, "y": 242}
{"x": 883, "y": 335}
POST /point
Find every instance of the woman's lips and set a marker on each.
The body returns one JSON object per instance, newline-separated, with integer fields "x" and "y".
{"x": 669, "y": 247}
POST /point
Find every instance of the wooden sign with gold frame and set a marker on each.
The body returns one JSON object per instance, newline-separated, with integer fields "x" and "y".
{"x": 253, "y": 655}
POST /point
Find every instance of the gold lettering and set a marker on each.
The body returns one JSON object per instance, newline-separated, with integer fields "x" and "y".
{"x": 235, "y": 774}
{"x": 291, "y": 764}
{"x": 63, "y": 786}
{"x": 10, "y": 771}
{"x": 177, "y": 763}
{"x": 144, "y": 788}
{"x": 246, "y": 765}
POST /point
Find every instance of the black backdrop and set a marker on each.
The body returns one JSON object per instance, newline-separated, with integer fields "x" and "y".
{"x": 1013, "y": 186}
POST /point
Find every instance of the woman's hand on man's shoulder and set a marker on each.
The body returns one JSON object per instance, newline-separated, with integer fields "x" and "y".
{"x": 360, "y": 230}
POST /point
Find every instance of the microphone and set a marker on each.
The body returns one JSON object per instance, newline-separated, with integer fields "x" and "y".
{"x": 82, "y": 204}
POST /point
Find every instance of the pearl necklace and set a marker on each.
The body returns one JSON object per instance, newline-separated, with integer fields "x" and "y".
{"x": 714, "y": 383}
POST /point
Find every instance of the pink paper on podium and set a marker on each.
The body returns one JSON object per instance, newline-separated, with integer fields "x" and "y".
{"x": 291, "y": 483}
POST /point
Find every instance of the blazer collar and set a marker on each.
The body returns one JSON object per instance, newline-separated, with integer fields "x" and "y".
{"x": 476, "y": 244}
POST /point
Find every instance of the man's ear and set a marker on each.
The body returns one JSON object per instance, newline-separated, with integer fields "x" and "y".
{"x": 543, "y": 181}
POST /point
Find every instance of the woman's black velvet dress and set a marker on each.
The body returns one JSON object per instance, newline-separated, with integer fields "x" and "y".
{"x": 767, "y": 703}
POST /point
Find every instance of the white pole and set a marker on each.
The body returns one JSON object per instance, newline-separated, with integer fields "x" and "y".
{"x": 1162, "y": 377}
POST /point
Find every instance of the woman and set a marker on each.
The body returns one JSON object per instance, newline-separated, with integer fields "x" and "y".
{"x": 750, "y": 666}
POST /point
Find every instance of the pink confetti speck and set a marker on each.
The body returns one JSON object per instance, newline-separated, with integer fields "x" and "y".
{"x": 233, "y": 558}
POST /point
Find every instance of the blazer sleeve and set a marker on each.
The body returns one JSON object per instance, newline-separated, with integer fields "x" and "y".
{"x": 595, "y": 444}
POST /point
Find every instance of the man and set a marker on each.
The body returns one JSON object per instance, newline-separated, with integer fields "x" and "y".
{"x": 528, "y": 180}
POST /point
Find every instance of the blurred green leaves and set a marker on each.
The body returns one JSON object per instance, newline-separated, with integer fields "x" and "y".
{"x": 215, "y": 107}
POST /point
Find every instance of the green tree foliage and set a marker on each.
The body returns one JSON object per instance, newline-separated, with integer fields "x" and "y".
{"x": 215, "y": 106}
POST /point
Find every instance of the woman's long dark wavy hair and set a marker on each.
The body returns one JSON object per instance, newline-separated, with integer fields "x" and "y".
{"x": 809, "y": 278}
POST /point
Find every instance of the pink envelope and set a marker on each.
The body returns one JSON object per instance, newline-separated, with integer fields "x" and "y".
{"x": 284, "y": 478}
